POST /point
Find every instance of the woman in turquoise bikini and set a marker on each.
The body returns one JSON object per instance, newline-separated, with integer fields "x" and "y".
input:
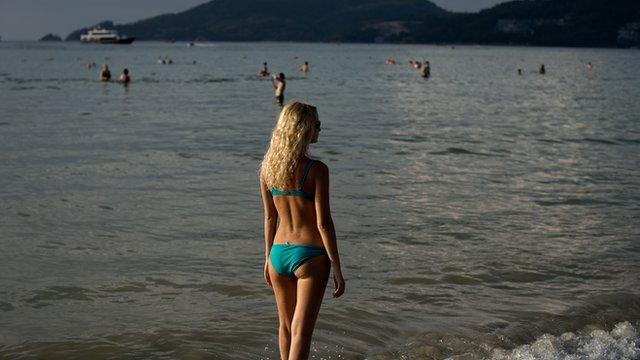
{"x": 300, "y": 248}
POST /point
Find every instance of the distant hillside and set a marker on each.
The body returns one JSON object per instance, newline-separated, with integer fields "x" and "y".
{"x": 534, "y": 22}
{"x": 50, "y": 37}
{"x": 556, "y": 22}
{"x": 285, "y": 20}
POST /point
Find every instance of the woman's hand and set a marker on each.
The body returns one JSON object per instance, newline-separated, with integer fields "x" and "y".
{"x": 267, "y": 278}
{"x": 338, "y": 281}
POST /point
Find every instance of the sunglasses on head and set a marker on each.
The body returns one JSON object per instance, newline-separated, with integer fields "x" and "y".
{"x": 318, "y": 124}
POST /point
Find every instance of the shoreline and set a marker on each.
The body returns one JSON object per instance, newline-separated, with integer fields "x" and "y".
{"x": 498, "y": 45}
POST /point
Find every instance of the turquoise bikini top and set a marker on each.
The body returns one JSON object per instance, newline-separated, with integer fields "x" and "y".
{"x": 301, "y": 192}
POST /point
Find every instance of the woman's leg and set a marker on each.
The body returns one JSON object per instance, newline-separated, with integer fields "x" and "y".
{"x": 312, "y": 281}
{"x": 284, "y": 289}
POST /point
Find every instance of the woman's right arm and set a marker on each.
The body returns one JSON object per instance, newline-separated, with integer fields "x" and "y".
{"x": 270, "y": 224}
{"x": 326, "y": 228}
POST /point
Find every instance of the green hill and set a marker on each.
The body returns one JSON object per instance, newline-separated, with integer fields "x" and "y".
{"x": 284, "y": 20}
{"x": 533, "y": 22}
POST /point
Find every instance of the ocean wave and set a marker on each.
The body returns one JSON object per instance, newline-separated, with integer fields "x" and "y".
{"x": 210, "y": 80}
{"x": 22, "y": 88}
{"x": 602, "y": 328}
{"x": 461, "y": 151}
{"x": 621, "y": 343}
{"x": 628, "y": 141}
{"x": 45, "y": 80}
{"x": 576, "y": 201}
{"x": 589, "y": 343}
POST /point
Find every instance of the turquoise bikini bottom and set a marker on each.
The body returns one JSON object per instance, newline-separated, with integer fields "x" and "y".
{"x": 286, "y": 258}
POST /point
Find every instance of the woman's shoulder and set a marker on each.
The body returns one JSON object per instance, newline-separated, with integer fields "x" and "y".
{"x": 319, "y": 167}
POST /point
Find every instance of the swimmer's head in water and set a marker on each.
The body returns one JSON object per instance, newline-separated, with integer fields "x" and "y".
{"x": 126, "y": 71}
{"x": 281, "y": 76}
{"x": 294, "y": 131}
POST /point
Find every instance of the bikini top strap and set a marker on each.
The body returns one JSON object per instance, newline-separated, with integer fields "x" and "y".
{"x": 307, "y": 169}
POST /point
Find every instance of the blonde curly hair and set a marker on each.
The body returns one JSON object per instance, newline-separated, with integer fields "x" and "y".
{"x": 289, "y": 143}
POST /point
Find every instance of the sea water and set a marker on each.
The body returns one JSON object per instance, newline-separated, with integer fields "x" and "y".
{"x": 479, "y": 213}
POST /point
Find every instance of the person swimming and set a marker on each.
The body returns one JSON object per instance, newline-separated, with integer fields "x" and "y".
{"x": 305, "y": 67}
{"x": 389, "y": 61}
{"x": 426, "y": 70}
{"x": 279, "y": 84}
{"x": 589, "y": 66}
{"x": 519, "y": 71}
{"x": 124, "y": 77}
{"x": 300, "y": 239}
{"x": 263, "y": 70}
{"x": 105, "y": 74}
{"x": 164, "y": 60}
{"x": 542, "y": 70}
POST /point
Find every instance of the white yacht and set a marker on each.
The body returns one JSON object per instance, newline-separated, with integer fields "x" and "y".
{"x": 104, "y": 36}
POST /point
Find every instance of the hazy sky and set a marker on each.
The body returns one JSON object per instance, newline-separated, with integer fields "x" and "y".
{"x": 31, "y": 19}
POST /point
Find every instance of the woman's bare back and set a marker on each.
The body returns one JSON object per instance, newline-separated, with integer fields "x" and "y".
{"x": 297, "y": 215}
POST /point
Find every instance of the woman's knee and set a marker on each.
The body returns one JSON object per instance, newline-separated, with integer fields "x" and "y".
{"x": 285, "y": 328}
{"x": 302, "y": 333}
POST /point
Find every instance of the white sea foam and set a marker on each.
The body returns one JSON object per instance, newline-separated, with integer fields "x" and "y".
{"x": 622, "y": 343}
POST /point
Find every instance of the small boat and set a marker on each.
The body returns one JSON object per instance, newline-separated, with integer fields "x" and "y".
{"x": 103, "y": 36}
